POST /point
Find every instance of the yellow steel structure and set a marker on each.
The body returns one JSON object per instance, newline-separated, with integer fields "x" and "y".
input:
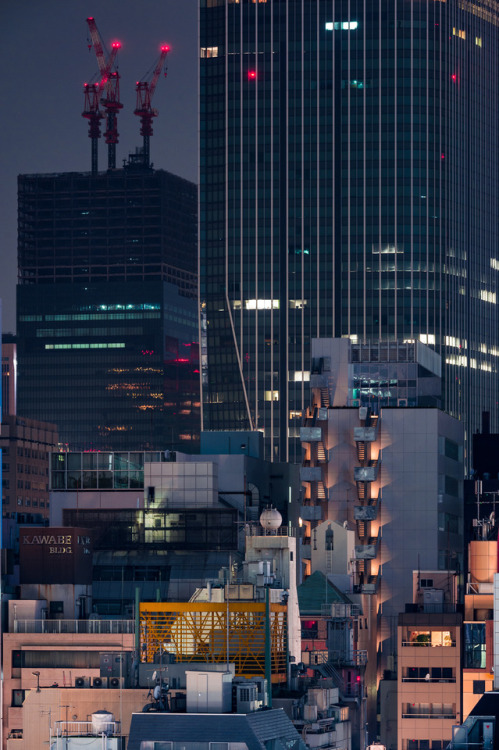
{"x": 197, "y": 632}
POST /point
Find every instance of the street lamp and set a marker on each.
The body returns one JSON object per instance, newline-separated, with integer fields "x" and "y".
{"x": 37, "y": 675}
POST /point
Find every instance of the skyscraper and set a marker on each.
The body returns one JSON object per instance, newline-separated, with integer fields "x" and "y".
{"x": 106, "y": 306}
{"x": 348, "y": 187}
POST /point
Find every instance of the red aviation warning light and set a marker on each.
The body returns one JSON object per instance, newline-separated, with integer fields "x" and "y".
{"x": 251, "y": 75}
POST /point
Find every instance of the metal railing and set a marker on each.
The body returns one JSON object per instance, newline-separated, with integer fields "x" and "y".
{"x": 100, "y": 627}
{"x": 429, "y": 716}
{"x": 428, "y": 679}
{"x": 428, "y": 644}
{"x": 84, "y": 728}
{"x": 254, "y": 529}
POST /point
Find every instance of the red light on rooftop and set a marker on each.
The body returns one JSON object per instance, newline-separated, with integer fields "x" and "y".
{"x": 165, "y": 48}
{"x": 454, "y": 77}
{"x": 116, "y": 45}
{"x": 90, "y": 18}
{"x": 251, "y": 74}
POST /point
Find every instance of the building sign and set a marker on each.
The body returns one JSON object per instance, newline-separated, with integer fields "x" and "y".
{"x": 55, "y": 555}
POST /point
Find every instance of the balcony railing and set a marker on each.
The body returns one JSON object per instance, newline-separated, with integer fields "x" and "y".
{"x": 83, "y": 728}
{"x": 101, "y": 627}
{"x": 429, "y": 679}
{"x": 428, "y": 644}
{"x": 429, "y": 716}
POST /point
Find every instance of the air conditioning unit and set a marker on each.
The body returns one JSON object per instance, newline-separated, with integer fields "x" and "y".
{"x": 99, "y": 682}
{"x": 116, "y": 682}
{"x": 82, "y": 682}
{"x": 246, "y": 697}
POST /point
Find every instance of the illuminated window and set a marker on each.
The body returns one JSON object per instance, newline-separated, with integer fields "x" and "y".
{"x": 342, "y": 25}
{"x": 387, "y": 249}
{"x": 478, "y": 41}
{"x": 494, "y": 263}
{"x": 459, "y": 33}
{"x": 261, "y": 304}
{"x": 301, "y": 376}
{"x": 297, "y": 304}
{"x": 85, "y": 346}
{"x": 209, "y": 52}
{"x": 271, "y": 395}
{"x": 455, "y": 342}
{"x": 487, "y": 296}
{"x": 427, "y": 338}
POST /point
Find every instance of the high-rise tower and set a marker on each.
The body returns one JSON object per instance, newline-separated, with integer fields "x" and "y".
{"x": 348, "y": 187}
{"x": 106, "y": 305}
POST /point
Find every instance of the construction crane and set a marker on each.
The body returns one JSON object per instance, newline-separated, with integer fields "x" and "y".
{"x": 110, "y": 84}
{"x": 91, "y": 111}
{"x": 93, "y": 114}
{"x": 143, "y": 109}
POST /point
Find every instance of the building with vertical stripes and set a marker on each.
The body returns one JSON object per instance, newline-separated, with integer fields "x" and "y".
{"x": 348, "y": 188}
{"x": 107, "y": 318}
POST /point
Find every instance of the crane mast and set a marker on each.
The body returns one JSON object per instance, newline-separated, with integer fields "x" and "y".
{"x": 143, "y": 109}
{"x": 109, "y": 84}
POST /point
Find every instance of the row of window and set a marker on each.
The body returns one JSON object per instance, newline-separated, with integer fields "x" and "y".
{"x": 27, "y": 502}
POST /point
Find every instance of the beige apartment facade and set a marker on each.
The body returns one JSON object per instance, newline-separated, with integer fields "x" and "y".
{"x": 429, "y": 679}
{"x": 51, "y": 663}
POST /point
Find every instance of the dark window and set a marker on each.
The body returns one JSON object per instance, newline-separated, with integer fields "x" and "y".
{"x": 18, "y": 697}
{"x": 478, "y": 687}
{"x": 17, "y": 659}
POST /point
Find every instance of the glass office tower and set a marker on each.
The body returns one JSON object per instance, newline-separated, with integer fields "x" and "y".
{"x": 107, "y": 308}
{"x": 348, "y": 187}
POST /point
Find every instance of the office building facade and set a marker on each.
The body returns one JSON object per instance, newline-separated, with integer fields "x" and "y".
{"x": 106, "y": 306}
{"x": 347, "y": 188}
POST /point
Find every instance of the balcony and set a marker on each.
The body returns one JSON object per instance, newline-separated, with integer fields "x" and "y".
{"x": 429, "y": 716}
{"x": 311, "y": 512}
{"x": 364, "y": 434}
{"x": 367, "y": 551}
{"x": 427, "y": 644}
{"x": 310, "y": 473}
{"x": 365, "y": 473}
{"x": 310, "y": 434}
{"x": 101, "y": 627}
{"x": 353, "y": 658}
{"x": 364, "y": 512}
{"x": 428, "y": 679}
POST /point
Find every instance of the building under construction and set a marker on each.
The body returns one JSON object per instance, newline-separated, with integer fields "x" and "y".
{"x": 107, "y": 296}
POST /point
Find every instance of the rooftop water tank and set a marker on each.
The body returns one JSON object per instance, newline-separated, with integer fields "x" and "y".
{"x": 270, "y": 519}
{"x": 102, "y": 722}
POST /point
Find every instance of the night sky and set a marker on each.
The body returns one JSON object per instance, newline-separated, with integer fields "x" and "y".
{"x": 45, "y": 61}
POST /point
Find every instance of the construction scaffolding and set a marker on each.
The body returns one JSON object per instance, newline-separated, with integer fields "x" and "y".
{"x": 202, "y": 631}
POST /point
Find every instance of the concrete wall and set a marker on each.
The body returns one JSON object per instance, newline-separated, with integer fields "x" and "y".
{"x": 19, "y": 678}
{"x": 74, "y": 704}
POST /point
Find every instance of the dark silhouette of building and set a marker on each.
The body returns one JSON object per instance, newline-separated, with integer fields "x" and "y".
{"x": 107, "y": 307}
